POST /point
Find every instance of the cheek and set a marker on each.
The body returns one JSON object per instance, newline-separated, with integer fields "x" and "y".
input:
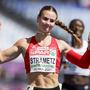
{"x": 41, "y": 22}
{"x": 52, "y": 24}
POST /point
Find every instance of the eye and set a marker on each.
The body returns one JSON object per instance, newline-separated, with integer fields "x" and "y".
{"x": 45, "y": 18}
{"x": 52, "y": 20}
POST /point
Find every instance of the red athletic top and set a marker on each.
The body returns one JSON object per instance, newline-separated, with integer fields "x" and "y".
{"x": 42, "y": 59}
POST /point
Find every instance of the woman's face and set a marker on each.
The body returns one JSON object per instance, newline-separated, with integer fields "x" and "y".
{"x": 78, "y": 29}
{"x": 46, "y": 21}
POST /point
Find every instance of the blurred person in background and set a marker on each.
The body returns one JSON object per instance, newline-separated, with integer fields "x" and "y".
{"x": 42, "y": 53}
{"x": 84, "y": 3}
{"x": 76, "y": 78}
{"x": 0, "y": 25}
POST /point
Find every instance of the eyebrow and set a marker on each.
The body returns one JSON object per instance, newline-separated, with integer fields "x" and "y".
{"x": 46, "y": 18}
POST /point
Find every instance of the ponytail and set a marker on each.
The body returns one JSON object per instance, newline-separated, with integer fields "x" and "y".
{"x": 63, "y": 26}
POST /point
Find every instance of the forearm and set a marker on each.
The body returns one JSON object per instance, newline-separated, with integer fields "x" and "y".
{"x": 81, "y": 61}
{"x": 4, "y": 57}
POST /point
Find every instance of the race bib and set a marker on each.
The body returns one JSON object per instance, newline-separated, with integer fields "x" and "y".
{"x": 42, "y": 59}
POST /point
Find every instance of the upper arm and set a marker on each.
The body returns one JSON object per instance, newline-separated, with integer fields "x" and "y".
{"x": 64, "y": 47}
{"x": 11, "y": 53}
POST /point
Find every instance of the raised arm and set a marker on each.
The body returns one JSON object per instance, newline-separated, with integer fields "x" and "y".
{"x": 10, "y": 53}
{"x": 82, "y": 61}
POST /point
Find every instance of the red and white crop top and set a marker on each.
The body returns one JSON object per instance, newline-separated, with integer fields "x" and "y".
{"x": 42, "y": 59}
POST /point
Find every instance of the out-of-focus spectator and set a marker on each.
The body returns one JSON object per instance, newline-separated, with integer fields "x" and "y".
{"x": 85, "y": 3}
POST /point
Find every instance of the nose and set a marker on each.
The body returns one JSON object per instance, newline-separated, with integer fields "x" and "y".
{"x": 48, "y": 22}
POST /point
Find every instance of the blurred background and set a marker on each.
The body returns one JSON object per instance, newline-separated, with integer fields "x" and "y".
{"x": 18, "y": 20}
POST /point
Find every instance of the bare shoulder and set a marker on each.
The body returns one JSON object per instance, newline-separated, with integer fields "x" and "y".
{"x": 63, "y": 45}
{"x": 22, "y": 42}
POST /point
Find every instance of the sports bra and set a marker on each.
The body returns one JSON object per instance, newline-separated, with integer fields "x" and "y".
{"x": 42, "y": 59}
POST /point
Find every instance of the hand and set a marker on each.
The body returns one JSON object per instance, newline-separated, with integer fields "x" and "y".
{"x": 89, "y": 41}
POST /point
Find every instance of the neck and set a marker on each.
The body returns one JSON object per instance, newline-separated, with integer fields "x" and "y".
{"x": 42, "y": 36}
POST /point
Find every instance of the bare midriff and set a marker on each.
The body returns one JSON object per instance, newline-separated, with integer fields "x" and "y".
{"x": 43, "y": 80}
